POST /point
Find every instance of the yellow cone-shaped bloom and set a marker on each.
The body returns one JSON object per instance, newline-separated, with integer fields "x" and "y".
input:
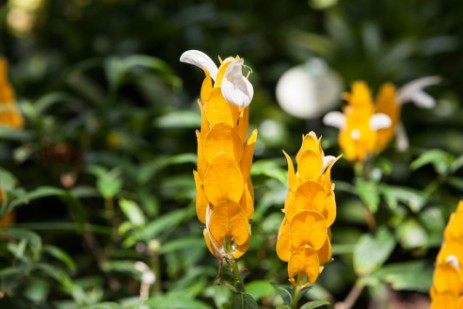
{"x": 365, "y": 127}
{"x": 358, "y": 137}
{"x": 447, "y": 289}
{"x": 224, "y": 191}
{"x": 310, "y": 209}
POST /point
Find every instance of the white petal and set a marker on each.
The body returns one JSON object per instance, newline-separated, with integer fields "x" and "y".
{"x": 422, "y": 99}
{"x": 401, "y": 141}
{"x": 413, "y": 91}
{"x": 335, "y": 119}
{"x": 453, "y": 260}
{"x": 380, "y": 121}
{"x": 201, "y": 60}
{"x": 236, "y": 89}
{"x": 327, "y": 160}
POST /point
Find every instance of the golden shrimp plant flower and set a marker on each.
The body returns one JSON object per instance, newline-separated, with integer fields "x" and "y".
{"x": 310, "y": 209}
{"x": 224, "y": 191}
{"x": 367, "y": 128}
{"x": 447, "y": 289}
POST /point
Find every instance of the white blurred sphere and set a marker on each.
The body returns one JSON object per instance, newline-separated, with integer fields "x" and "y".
{"x": 309, "y": 90}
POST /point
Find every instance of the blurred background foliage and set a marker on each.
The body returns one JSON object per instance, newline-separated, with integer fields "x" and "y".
{"x": 100, "y": 178}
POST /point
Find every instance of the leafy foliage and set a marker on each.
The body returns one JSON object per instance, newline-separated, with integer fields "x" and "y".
{"x": 100, "y": 179}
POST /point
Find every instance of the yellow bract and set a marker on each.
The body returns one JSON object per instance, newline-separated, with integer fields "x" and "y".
{"x": 310, "y": 209}
{"x": 447, "y": 289}
{"x": 224, "y": 191}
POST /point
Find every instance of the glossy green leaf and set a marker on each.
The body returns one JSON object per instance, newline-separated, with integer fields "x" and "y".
{"x": 413, "y": 275}
{"x": 105, "y": 305}
{"x": 175, "y": 302}
{"x": 440, "y": 160}
{"x": 368, "y": 192}
{"x": 259, "y": 288}
{"x": 315, "y": 304}
{"x": 243, "y": 301}
{"x": 60, "y": 255}
{"x": 372, "y": 251}
{"x": 132, "y": 211}
{"x": 410, "y": 234}
{"x": 270, "y": 169}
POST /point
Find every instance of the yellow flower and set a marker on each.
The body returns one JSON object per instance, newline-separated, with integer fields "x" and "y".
{"x": 310, "y": 210}
{"x": 9, "y": 114}
{"x": 224, "y": 191}
{"x": 366, "y": 128}
{"x": 447, "y": 289}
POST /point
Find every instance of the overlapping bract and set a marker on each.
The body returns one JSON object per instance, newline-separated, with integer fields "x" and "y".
{"x": 447, "y": 289}
{"x": 310, "y": 210}
{"x": 224, "y": 191}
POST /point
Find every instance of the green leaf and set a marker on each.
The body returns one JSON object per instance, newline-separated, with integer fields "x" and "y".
{"x": 414, "y": 276}
{"x": 456, "y": 164}
{"x": 40, "y": 192}
{"x": 440, "y": 159}
{"x": 108, "y": 183}
{"x": 455, "y": 182}
{"x": 270, "y": 169}
{"x": 372, "y": 251}
{"x": 117, "y": 68}
{"x": 285, "y": 295}
{"x": 368, "y": 192}
{"x": 315, "y": 304}
{"x": 105, "y": 305}
{"x": 243, "y": 301}
{"x": 179, "y": 119}
{"x": 127, "y": 266}
{"x": 259, "y": 288}
{"x": 394, "y": 195}
{"x": 60, "y": 255}
{"x": 132, "y": 211}
{"x": 13, "y": 134}
{"x": 154, "y": 228}
{"x": 175, "y": 302}
{"x": 411, "y": 234}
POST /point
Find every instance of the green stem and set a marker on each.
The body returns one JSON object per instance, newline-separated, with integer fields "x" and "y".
{"x": 237, "y": 281}
{"x": 109, "y": 207}
{"x": 297, "y": 291}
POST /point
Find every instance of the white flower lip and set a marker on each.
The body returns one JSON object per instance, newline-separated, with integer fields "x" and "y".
{"x": 335, "y": 119}
{"x": 236, "y": 88}
{"x": 380, "y": 121}
{"x": 201, "y": 60}
{"x": 413, "y": 91}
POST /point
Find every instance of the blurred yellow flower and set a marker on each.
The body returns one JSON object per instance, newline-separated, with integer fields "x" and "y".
{"x": 9, "y": 114}
{"x": 310, "y": 210}
{"x": 224, "y": 191}
{"x": 367, "y": 128}
{"x": 447, "y": 289}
